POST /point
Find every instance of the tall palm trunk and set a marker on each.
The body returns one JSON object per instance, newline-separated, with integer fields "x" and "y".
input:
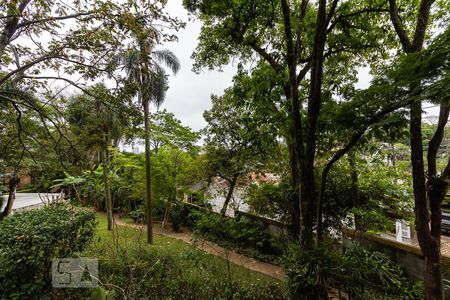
{"x": 148, "y": 182}
{"x": 146, "y": 97}
{"x": 106, "y": 178}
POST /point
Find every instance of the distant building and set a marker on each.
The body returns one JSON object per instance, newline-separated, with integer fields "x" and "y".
{"x": 215, "y": 192}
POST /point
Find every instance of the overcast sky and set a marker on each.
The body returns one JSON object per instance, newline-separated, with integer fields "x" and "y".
{"x": 189, "y": 93}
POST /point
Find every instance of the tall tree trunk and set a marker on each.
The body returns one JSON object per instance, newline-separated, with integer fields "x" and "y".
{"x": 12, "y": 184}
{"x": 295, "y": 126}
{"x": 294, "y": 195}
{"x": 231, "y": 187}
{"x": 429, "y": 244}
{"x": 148, "y": 174}
{"x": 308, "y": 190}
{"x": 394, "y": 158}
{"x": 146, "y": 97}
{"x": 107, "y": 178}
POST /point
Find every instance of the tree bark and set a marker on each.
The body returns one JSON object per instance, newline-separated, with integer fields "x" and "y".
{"x": 11, "y": 24}
{"x": 148, "y": 174}
{"x": 294, "y": 195}
{"x": 12, "y": 184}
{"x": 428, "y": 244}
{"x": 424, "y": 198}
{"x": 295, "y": 125}
{"x": 107, "y": 179}
{"x": 146, "y": 97}
{"x": 308, "y": 190}
{"x": 231, "y": 187}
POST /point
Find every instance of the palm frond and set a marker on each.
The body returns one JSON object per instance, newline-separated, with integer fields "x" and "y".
{"x": 158, "y": 85}
{"x": 129, "y": 61}
{"x": 168, "y": 58}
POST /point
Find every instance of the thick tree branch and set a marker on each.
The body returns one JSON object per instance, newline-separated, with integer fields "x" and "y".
{"x": 435, "y": 142}
{"x": 301, "y": 26}
{"x": 446, "y": 172}
{"x": 264, "y": 54}
{"x": 301, "y": 75}
{"x": 398, "y": 26}
{"x": 25, "y": 67}
{"x": 10, "y": 25}
{"x": 421, "y": 26}
{"x": 367, "y": 10}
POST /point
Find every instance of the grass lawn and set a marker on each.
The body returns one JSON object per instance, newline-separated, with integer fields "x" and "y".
{"x": 192, "y": 265}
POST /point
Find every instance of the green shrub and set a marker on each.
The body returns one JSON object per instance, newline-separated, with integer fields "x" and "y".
{"x": 244, "y": 235}
{"x": 361, "y": 273}
{"x": 178, "y": 215}
{"x": 138, "y": 215}
{"x": 30, "y": 240}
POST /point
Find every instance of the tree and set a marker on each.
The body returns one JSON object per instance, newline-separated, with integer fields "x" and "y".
{"x": 236, "y": 142}
{"x": 168, "y": 130}
{"x": 429, "y": 187}
{"x": 99, "y": 121}
{"x": 171, "y": 176}
{"x": 280, "y": 33}
{"x": 142, "y": 65}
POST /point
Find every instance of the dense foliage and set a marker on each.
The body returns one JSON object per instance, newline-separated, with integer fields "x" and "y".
{"x": 30, "y": 240}
{"x": 169, "y": 269}
{"x": 343, "y": 155}
{"x": 359, "y": 272}
{"x": 244, "y": 235}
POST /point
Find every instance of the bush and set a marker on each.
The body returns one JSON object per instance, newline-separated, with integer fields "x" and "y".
{"x": 244, "y": 235}
{"x": 138, "y": 215}
{"x": 30, "y": 240}
{"x": 361, "y": 273}
{"x": 178, "y": 215}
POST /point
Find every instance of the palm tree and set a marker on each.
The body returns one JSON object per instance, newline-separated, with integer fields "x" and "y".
{"x": 94, "y": 112}
{"x": 143, "y": 66}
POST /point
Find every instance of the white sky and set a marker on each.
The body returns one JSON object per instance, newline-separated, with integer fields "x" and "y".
{"x": 189, "y": 93}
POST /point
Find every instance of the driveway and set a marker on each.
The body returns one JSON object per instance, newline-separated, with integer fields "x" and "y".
{"x": 25, "y": 199}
